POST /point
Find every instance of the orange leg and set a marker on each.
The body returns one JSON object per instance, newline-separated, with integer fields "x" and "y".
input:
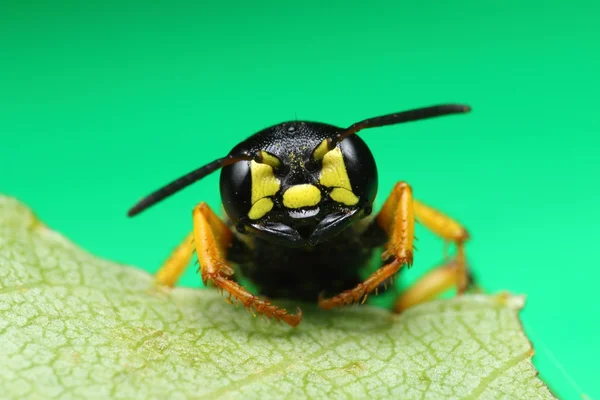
{"x": 170, "y": 272}
{"x": 397, "y": 219}
{"x": 451, "y": 231}
{"x": 428, "y": 287}
{"x": 212, "y": 239}
{"x": 451, "y": 274}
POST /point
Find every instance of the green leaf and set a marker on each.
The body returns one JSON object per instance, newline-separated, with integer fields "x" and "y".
{"x": 76, "y": 326}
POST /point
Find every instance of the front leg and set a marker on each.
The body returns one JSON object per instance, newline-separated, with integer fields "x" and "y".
{"x": 212, "y": 240}
{"x": 397, "y": 219}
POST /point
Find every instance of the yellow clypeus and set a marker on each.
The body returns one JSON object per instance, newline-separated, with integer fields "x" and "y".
{"x": 301, "y": 196}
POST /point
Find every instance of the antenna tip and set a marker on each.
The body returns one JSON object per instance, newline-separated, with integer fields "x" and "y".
{"x": 452, "y": 108}
{"x": 135, "y": 210}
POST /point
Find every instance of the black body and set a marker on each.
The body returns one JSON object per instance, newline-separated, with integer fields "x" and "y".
{"x": 280, "y": 258}
{"x": 307, "y": 272}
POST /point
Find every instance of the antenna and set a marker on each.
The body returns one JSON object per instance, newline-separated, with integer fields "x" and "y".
{"x": 399, "y": 118}
{"x": 185, "y": 181}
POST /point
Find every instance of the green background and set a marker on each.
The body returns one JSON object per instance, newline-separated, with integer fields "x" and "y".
{"x": 102, "y": 103}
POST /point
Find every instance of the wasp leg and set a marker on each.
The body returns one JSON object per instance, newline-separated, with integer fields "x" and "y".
{"x": 212, "y": 240}
{"x": 434, "y": 283}
{"x": 397, "y": 219}
{"x": 451, "y": 231}
{"x": 453, "y": 273}
{"x": 172, "y": 269}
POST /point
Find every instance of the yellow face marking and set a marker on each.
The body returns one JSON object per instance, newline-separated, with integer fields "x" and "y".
{"x": 263, "y": 184}
{"x": 301, "y": 196}
{"x": 269, "y": 159}
{"x": 260, "y": 208}
{"x": 343, "y": 196}
{"x": 333, "y": 172}
{"x": 321, "y": 150}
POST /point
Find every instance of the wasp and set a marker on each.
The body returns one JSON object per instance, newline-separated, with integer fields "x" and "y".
{"x": 299, "y": 223}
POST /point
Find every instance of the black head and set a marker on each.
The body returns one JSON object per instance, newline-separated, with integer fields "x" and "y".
{"x": 298, "y": 183}
{"x": 302, "y": 193}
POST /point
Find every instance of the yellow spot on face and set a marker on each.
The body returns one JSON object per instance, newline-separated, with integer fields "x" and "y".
{"x": 321, "y": 150}
{"x": 343, "y": 196}
{"x": 260, "y": 208}
{"x": 269, "y": 159}
{"x": 333, "y": 172}
{"x": 264, "y": 183}
{"x": 301, "y": 196}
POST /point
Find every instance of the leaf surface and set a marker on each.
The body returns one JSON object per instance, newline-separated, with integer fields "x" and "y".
{"x": 75, "y": 326}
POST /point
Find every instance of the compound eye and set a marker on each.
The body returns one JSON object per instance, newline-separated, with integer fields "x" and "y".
{"x": 236, "y": 187}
